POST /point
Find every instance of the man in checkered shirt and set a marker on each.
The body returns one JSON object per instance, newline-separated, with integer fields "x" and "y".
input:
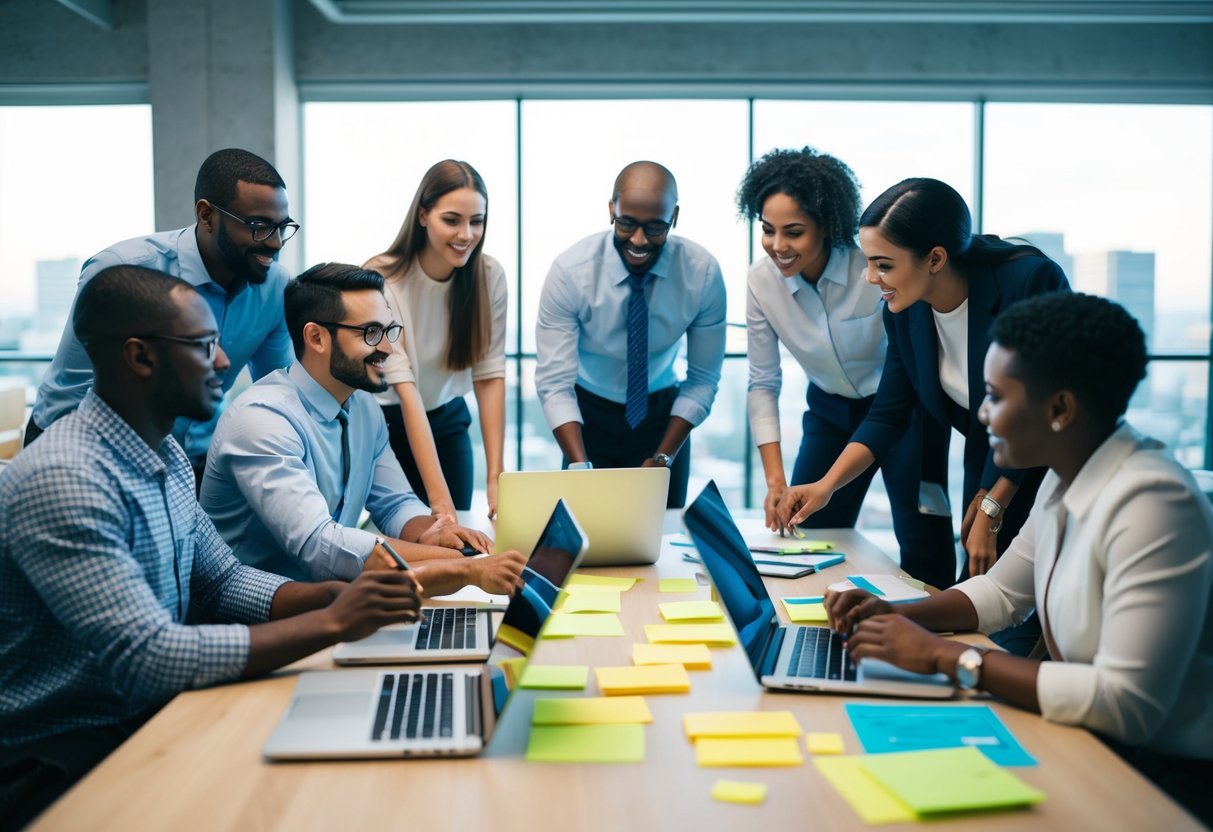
{"x": 116, "y": 592}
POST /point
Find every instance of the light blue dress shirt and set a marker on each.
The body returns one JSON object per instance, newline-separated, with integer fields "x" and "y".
{"x": 252, "y": 329}
{"x": 103, "y": 553}
{"x": 581, "y": 331}
{"x": 273, "y": 479}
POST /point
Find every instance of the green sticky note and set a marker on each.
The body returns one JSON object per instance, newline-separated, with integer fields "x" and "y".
{"x": 677, "y": 585}
{"x": 592, "y": 710}
{"x": 870, "y": 800}
{"x": 606, "y": 600}
{"x": 806, "y": 613}
{"x": 563, "y": 625}
{"x": 586, "y": 744}
{"x": 555, "y": 677}
{"x": 949, "y": 780}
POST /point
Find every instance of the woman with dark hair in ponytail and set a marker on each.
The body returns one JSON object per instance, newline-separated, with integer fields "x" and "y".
{"x": 451, "y": 299}
{"x": 942, "y": 286}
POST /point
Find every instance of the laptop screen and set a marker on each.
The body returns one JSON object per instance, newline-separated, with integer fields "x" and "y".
{"x": 724, "y": 554}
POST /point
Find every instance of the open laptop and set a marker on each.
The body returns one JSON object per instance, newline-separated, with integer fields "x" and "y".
{"x": 787, "y": 656}
{"x": 339, "y": 714}
{"x": 621, "y": 509}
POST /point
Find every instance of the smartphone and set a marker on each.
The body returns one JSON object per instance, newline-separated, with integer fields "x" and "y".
{"x": 933, "y": 500}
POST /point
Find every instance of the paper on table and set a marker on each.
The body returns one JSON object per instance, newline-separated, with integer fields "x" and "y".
{"x": 564, "y": 624}
{"x": 605, "y": 600}
{"x": 949, "y": 780}
{"x": 870, "y": 800}
{"x": 555, "y": 677}
{"x": 634, "y": 679}
{"x": 691, "y": 611}
{"x": 475, "y": 596}
{"x": 890, "y": 587}
{"x": 806, "y": 613}
{"x": 579, "y": 582}
{"x": 591, "y": 710}
{"x": 719, "y": 634}
{"x": 677, "y": 585}
{"x": 741, "y": 724}
{"x": 824, "y": 743}
{"x": 586, "y": 744}
{"x": 748, "y": 751}
{"x": 733, "y": 791}
{"x": 883, "y": 728}
{"x": 690, "y": 656}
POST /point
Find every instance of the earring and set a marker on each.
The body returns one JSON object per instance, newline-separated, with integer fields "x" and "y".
{"x": 1056, "y": 426}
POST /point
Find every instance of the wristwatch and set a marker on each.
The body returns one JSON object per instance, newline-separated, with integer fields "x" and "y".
{"x": 968, "y": 668}
{"x": 663, "y": 459}
{"x": 993, "y": 510}
{"x": 581, "y": 466}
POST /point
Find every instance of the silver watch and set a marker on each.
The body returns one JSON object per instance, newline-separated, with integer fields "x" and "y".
{"x": 663, "y": 459}
{"x": 968, "y": 668}
{"x": 990, "y": 507}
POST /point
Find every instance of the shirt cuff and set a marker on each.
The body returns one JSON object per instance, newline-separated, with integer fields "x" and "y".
{"x": 395, "y": 523}
{"x": 223, "y": 653}
{"x": 489, "y": 368}
{"x": 560, "y": 409}
{"x": 994, "y": 613}
{"x": 687, "y": 408}
{"x": 1066, "y": 691}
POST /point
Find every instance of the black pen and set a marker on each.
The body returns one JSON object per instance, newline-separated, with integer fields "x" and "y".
{"x": 400, "y": 562}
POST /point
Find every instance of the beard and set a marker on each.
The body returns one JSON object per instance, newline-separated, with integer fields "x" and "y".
{"x": 238, "y": 259}
{"x": 653, "y": 250}
{"x": 353, "y": 371}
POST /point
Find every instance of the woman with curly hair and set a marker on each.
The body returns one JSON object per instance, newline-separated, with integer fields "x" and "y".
{"x": 808, "y": 292}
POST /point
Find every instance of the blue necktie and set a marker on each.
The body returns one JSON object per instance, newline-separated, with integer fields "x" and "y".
{"x": 638, "y": 353}
{"x": 344, "y": 419}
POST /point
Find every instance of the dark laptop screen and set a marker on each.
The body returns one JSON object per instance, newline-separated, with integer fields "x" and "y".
{"x": 725, "y": 555}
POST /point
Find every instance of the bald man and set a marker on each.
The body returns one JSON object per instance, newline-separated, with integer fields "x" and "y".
{"x": 612, "y": 316}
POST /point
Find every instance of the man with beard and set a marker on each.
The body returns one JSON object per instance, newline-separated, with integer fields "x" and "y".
{"x": 612, "y": 315}
{"x": 298, "y": 455}
{"x": 116, "y": 593}
{"x": 230, "y": 256}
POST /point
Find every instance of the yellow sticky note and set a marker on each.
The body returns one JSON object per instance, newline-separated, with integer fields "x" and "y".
{"x": 870, "y": 800}
{"x": 591, "y": 710}
{"x": 677, "y": 585}
{"x": 691, "y": 611}
{"x": 511, "y": 668}
{"x": 733, "y": 791}
{"x": 806, "y": 613}
{"x": 596, "y": 600}
{"x": 555, "y": 677}
{"x": 579, "y": 582}
{"x": 586, "y": 744}
{"x": 824, "y": 743}
{"x": 653, "y": 678}
{"x": 741, "y": 724}
{"x": 563, "y": 625}
{"x": 749, "y": 751}
{"x": 718, "y": 634}
{"x": 690, "y": 656}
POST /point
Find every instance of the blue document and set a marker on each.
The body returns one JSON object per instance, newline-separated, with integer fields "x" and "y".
{"x": 884, "y": 728}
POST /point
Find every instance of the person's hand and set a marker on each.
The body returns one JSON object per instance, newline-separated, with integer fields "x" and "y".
{"x": 770, "y": 504}
{"x": 982, "y": 545}
{"x": 971, "y": 512}
{"x": 798, "y": 502}
{"x": 446, "y": 532}
{"x": 378, "y": 559}
{"x": 498, "y": 574}
{"x": 440, "y": 506}
{"x": 846, "y": 609}
{"x": 899, "y": 641}
{"x": 651, "y": 463}
{"x": 373, "y": 600}
{"x": 490, "y": 490}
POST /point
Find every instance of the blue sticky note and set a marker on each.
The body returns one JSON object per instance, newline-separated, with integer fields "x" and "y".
{"x": 886, "y": 728}
{"x": 863, "y": 583}
{"x": 805, "y": 599}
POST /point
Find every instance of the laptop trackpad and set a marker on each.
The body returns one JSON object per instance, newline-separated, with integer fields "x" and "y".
{"x": 330, "y": 705}
{"x": 389, "y": 637}
{"x": 877, "y": 669}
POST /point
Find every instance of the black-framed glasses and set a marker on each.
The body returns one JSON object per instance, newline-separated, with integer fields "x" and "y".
{"x": 652, "y": 228}
{"x": 262, "y": 229}
{"x": 209, "y": 343}
{"x": 373, "y": 334}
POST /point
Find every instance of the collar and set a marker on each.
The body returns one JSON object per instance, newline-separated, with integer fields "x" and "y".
{"x": 121, "y": 436}
{"x": 618, "y": 273}
{"x": 837, "y": 270}
{"x": 1093, "y": 478}
{"x": 189, "y": 261}
{"x": 316, "y": 398}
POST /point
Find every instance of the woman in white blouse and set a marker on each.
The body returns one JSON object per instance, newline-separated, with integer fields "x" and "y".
{"x": 1116, "y": 555}
{"x": 451, "y": 299}
{"x": 808, "y": 293}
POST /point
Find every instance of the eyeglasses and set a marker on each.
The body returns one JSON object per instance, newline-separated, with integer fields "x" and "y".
{"x": 209, "y": 343}
{"x": 373, "y": 334}
{"x": 652, "y": 228}
{"x": 262, "y": 229}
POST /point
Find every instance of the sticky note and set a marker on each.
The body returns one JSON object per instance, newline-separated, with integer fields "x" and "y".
{"x": 563, "y": 625}
{"x": 806, "y": 613}
{"x": 586, "y": 744}
{"x": 748, "y": 751}
{"x": 733, "y": 791}
{"x": 871, "y": 801}
{"x": 635, "y": 679}
{"x": 718, "y": 634}
{"x": 691, "y": 611}
{"x": 690, "y": 656}
{"x": 824, "y": 743}
{"x": 803, "y": 599}
{"x": 555, "y": 677}
{"x": 579, "y": 582}
{"x": 511, "y": 668}
{"x": 949, "y": 780}
{"x": 597, "y": 600}
{"x": 741, "y": 724}
{"x": 677, "y": 585}
{"x": 591, "y": 710}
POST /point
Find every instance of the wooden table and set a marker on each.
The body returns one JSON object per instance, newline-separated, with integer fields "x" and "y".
{"x": 198, "y": 765}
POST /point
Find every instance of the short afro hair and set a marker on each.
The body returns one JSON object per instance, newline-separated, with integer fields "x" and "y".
{"x": 1082, "y": 343}
{"x": 123, "y": 302}
{"x": 315, "y": 295}
{"x": 217, "y": 178}
{"x": 824, "y": 187}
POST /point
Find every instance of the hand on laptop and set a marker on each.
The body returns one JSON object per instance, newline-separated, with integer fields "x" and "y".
{"x": 846, "y": 609}
{"x": 498, "y": 574}
{"x": 446, "y": 532}
{"x": 900, "y": 642}
{"x": 372, "y": 600}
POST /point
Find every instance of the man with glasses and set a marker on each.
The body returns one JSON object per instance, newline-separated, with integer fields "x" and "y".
{"x": 612, "y": 315}
{"x": 298, "y": 455}
{"x": 230, "y": 256}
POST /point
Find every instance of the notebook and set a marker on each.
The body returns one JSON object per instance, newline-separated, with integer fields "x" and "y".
{"x": 430, "y": 712}
{"x": 621, "y": 509}
{"x": 787, "y": 657}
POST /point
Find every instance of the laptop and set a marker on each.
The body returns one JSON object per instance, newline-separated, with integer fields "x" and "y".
{"x": 621, "y": 509}
{"x": 428, "y": 712}
{"x": 787, "y": 656}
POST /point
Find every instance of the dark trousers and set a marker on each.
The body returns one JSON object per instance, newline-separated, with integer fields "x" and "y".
{"x": 1187, "y": 781}
{"x": 449, "y": 423}
{"x": 927, "y": 544}
{"x": 611, "y": 443}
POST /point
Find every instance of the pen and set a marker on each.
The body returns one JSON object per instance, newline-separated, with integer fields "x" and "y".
{"x": 400, "y": 562}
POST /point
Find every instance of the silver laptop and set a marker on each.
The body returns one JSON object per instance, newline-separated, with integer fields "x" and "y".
{"x": 448, "y": 634}
{"x": 621, "y": 509}
{"x": 429, "y": 712}
{"x": 787, "y": 656}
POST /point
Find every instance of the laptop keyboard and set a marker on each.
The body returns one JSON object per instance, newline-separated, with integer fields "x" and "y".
{"x": 414, "y": 705}
{"x": 818, "y": 653}
{"x": 447, "y": 628}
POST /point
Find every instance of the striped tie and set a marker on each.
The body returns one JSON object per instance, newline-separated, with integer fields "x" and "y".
{"x": 638, "y": 353}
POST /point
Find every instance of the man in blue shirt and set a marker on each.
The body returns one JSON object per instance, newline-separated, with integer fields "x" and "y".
{"x": 612, "y": 315}
{"x": 300, "y": 453}
{"x": 230, "y": 257}
{"x": 116, "y": 592}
